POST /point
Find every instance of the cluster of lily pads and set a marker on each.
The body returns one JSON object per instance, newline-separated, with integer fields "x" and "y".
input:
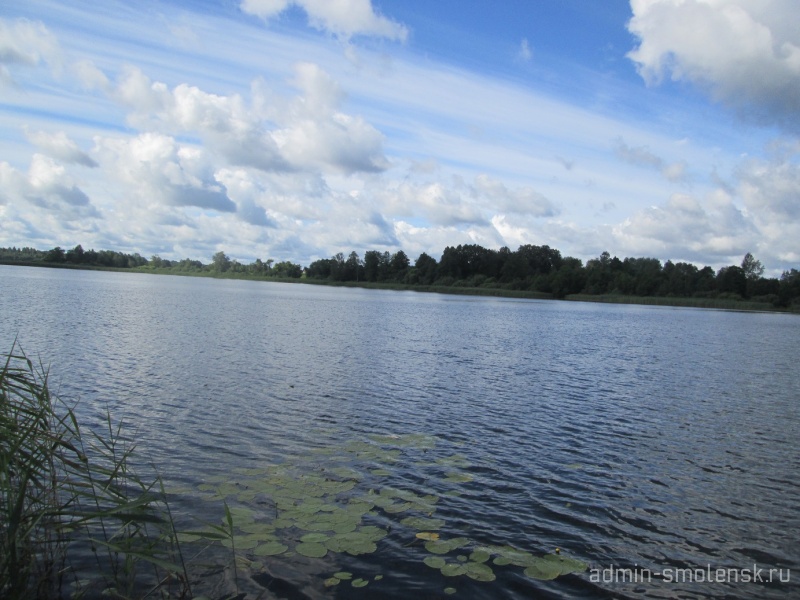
{"x": 475, "y": 565}
{"x": 329, "y": 501}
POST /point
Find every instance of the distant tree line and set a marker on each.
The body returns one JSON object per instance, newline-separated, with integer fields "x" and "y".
{"x": 531, "y": 268}
{"x": 543, "y": 269}
{"x": 75, "y": 256}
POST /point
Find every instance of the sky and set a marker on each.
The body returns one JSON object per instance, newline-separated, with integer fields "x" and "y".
{"x": 296, "y": 129}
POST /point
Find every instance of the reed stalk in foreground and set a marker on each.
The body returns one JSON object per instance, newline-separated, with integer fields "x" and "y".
{"x": 75, "y": 520}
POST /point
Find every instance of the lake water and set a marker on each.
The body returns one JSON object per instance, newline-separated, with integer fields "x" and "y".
{"x": 651, "y": 439}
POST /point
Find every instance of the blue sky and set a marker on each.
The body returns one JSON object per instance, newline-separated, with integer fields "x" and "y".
{"x": 295, "y": 129}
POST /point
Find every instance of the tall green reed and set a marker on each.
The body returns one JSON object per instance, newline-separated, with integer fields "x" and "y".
{"x": 75, "y": 518}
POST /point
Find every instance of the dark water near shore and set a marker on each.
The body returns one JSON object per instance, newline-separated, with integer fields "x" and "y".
{"x": 627, "y": 436}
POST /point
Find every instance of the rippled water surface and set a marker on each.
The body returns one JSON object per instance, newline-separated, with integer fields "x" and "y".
{"x": 629, "y": 437}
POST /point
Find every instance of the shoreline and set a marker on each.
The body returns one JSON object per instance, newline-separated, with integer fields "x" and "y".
{"x": 456, "y": 290}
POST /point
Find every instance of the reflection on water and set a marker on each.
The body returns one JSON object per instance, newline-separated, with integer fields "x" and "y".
{"x": 629, "y": 437}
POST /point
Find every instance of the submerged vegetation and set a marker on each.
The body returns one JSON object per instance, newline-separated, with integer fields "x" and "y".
{"x": 530, "y": 271}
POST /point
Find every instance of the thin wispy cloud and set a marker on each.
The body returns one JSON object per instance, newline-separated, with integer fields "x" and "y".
{"x": 524, "y": 54}
{"x": 343, "y": 18}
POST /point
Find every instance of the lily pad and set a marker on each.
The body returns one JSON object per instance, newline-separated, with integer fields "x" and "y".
{"x": 358, "y": 507}
{"x": 345, "y": 527}
{"x": 551, "y": 566}
{"x": 453, "y": 570}
{"x": 311, "y": 538}
{"x": 398, "y": 508}
{"x": 427, "y": 535}
{"x": 311, "y": 549}
{"x": 331, "y": 581}
{"x": 359, "y": 583}
{"x": 343, "y": 575}
{"x": 435, "y": 562}
{"x": 372, "y": 533}
{"x": 337, "y": 543}
{"x": 242, "y": 514}
{"x": 241, "y": 542}
{"x": 480, "y": 571}
{"x": 364, "y": 547}
{"x": 270, "y": 549}
{"x": 438, "y": 546}
{"x": 479, "y": 556}
{"x": 265, "y": 529}
{"x": 444, "y": 546}
{"x": 383, "y": 501}
{"x": 514, "y": 556}
{"x": 423, "y": 523}
{"x": 346, "y": 473}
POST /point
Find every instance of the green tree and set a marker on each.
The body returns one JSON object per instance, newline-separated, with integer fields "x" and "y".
{"x": 679, "y": 279}
{"x": 732, "y": 280}
{"x": 319, "y": 269}
{"x": 220, "y": 262}
{"x": 287, "y": 269}
{"x": 789, "y": 291}
{"x": 372, "y": 265}
{"x": 56, "y": 255}
{"x": 338, "y": 271}
{"x": 753, "y": 269}
{"x": 426, "y": 269}
{"x": 354, "y": 267}
{"x": 599, "y": 274}
{"x": 570, "y": 278}
{"x": 75, "y": 255}
{"x": 399, "y": 265}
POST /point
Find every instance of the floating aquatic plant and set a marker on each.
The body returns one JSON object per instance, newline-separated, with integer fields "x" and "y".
{"x": 423, "y": 523}
{"x": 551, "y": 566}
{"x": 328, "y": 510}
{"x": 311, "y": 549}
{"x": 271, "y": 548}
{"x": 444, "y": 546}
{"x": 343, "y": 575}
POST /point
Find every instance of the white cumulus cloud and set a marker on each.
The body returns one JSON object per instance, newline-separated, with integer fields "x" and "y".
{"x": 155, "y": 168}
{"x": 272, "y": 134}
{"x": 46, "y": 185}
{"x": 746, "y": 53}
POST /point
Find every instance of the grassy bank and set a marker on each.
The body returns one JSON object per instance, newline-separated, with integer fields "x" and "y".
{"x": 714, "y": 303}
